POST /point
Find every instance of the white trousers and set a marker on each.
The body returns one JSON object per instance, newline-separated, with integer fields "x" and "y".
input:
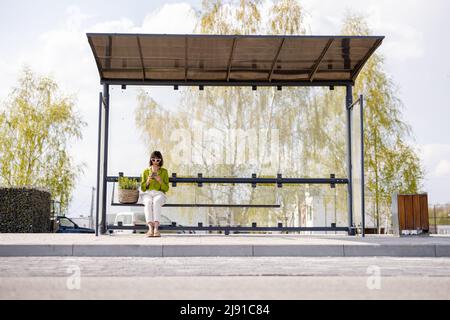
{"x": 153, "y": 201}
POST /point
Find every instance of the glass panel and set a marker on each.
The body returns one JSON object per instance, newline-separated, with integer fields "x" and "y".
{"x": 64, "y": 222}
{"x": 356, "y": 163}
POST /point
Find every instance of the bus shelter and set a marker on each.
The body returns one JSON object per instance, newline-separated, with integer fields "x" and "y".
{"x": 233, "y": 60}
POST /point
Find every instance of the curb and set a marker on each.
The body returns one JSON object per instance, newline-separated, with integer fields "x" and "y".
{"x": 245, "y": 250}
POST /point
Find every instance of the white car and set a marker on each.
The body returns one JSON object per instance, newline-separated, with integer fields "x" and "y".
{"x": 131, "y": 218}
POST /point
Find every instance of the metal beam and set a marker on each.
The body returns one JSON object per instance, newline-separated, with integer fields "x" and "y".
{"x": 348, "y": 103}
{"x": 322, "y": 55}
{"x": 103, "y": 100}
{"x": 108, "y": 53}
{"x": 185, "y": 58}
{"x": 105, "y": 157}
{"x": 354, "y": 103}
{"x": 275, "y": 59}
{"x": 218, "y": 69}
{"x": 228, "y": 228}
{"x": 249, "y": 180}
{"x": 100, "y": 107}
{"x": 363, "y": 206}
{"x": 345, "y": 43}
{"x": 230, "y": 59}
{"x": 202, "y": 205}
{"x": 226, "y": 36}
{"x": 239, "y": 83}
{"x": 141, "y": 57}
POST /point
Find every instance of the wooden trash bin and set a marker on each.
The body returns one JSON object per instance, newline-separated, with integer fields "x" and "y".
{"x": 410, "y": 214}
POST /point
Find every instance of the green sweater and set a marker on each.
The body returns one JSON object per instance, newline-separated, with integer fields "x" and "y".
{"x": 154, "y": 184}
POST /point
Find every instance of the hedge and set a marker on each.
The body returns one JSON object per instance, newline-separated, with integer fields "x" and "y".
{"x": 24, "y": 209}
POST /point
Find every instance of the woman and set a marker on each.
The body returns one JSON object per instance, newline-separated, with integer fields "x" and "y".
{"x": 154, "y": 185}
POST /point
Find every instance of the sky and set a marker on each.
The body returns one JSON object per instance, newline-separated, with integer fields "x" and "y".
{"x": 50, "y": 37}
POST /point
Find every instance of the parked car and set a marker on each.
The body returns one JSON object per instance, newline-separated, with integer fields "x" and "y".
{"x": 66, "y": 225}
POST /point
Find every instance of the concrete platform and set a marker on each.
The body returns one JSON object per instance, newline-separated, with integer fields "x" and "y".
{"x": 248, "y": 245}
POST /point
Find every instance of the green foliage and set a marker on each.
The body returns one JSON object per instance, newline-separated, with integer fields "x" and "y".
{"x": 37, "y": 126}
{"x": 230, "y": 17}
{"x": 128, "y": 183}
{"x": 287, "y": 17}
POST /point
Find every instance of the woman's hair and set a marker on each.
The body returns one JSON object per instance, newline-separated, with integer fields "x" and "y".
{"x": 156, "y": 154}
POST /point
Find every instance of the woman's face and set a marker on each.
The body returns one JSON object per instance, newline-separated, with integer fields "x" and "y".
{"x": 155, "y": 161}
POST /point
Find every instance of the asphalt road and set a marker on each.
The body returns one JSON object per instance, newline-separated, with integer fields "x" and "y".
{"x": 224, "y": 278}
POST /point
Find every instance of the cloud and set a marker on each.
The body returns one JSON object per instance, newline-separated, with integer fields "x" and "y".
{"x": 442, "y": 168}
{"x": 8, "y": 79}
{"x": 123, "y": 25}
{"x": 404, "y": 38}
{"x": 65, "y": 54}
{"x": 435, "y": 158}
{"x": 170, "y": 18}
{"x": 436, "y": 161}
{"x": 432, "y": 154}
{"x": 75, "y": 18}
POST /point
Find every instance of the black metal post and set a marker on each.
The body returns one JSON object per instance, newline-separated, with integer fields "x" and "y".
{"x": 98, "y": 161}
{"x": 435, "y": 221}
{"x": 227, "y": 229}
{"x": 348, "y": 104}
{"x": 280, "y": 181}
{"x": 105, "y": 157}
{"x": 363, "y": 206}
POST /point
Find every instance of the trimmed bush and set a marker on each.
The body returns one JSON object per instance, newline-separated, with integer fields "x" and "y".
{"x": 24, "y": 210}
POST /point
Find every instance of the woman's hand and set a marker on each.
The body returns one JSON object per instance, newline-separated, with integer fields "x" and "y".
{"x": 158, "y": 178}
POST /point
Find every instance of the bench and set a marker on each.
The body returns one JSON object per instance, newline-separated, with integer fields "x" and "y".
{"x": 332, "y": 181}
{"x": 199, "y": 180}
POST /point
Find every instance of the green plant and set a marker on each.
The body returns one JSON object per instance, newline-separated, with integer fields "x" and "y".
{"x": 128, "y": 183}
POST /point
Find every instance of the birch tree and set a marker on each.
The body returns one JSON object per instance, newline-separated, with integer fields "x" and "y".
{"x": 390, "y": 161}
{"x": 37, "y": 127}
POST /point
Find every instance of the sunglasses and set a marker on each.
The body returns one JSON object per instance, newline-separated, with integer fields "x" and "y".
{"x": 155, "y": 159}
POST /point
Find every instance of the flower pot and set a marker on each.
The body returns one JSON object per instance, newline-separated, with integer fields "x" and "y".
{"x": 128, "y": 196}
